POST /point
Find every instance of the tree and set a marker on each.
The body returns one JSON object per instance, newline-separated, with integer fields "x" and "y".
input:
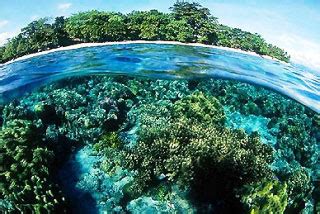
{"x": 60, "y": 33}
{"x": 194, "y": 13}
{"x": 179, "y": 30}
{"x": 199, "y": 19}
{"x": 40, "y": 35}
{"x": 96, "y": 26}
{"x": 148, "y": 25}
{"x": 2, "y": 49}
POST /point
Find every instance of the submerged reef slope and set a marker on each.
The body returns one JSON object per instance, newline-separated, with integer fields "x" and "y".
{"x": 141, "y": 145}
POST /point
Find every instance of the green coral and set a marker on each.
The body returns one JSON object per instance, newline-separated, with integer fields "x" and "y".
{"x": 109, "y": 146}
{"x": 201, "y": 108}
{"x": 25, "y": 181}
{"x": 108, "y": 140}
{"x": 295, "y": 128}
{"x": 193, "y": 147}
{"x": 264, "y": 197}
{"x": 299, "y": 188}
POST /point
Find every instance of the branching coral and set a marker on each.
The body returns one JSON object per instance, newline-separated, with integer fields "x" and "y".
{"x": 299, "y": 189}
{"x": 193, "y": 147}
{"x": 201, "y": 108}
{"x": 25, "y": 181}
{"x": 181, "y": 138}
{"x": 148, "y": 91}
{"x": 295, "y": 127}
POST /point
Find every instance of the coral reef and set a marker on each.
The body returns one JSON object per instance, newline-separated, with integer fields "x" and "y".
{"x": 292, "y": 129}
{"x": 193, "y": 147}
{"x": 160, "y": 146}
{"x": 26, "y": 184}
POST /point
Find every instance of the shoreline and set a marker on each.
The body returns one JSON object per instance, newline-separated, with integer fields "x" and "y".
{"x": 85, "y": 45}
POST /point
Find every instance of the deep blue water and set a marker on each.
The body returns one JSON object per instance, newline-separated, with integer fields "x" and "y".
{"x": 163, "y": 62}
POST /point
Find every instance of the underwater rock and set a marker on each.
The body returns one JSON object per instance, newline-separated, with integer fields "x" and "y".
{"x": 46, "y": 113}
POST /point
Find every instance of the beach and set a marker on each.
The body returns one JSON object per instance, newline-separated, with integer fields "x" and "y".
{"x": 84, "y": 45}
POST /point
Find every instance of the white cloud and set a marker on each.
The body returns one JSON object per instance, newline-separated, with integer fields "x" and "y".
{"x": 3, "y": 23}
{"x": 301, "y": 50}
{"x": 64, "y": 6}
{"x": 5, "y": 36}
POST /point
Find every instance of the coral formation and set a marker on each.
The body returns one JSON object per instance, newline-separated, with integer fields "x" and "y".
{"x": 264, "y": 197}
{"x": 295, "y": 128}
{"x": 188, "y": 145}
{"x": 160, "y": 145}
{"x": 26, "y": 184}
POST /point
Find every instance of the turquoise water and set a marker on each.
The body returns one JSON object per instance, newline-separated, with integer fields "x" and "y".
{"x": 146, "y": 128}
{"x": 162, "y": 62}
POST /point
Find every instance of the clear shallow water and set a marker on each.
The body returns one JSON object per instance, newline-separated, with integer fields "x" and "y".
{"x": 163, "y": 62}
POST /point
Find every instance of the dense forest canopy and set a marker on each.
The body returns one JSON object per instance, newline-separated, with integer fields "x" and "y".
{"x": 187, "y": 22}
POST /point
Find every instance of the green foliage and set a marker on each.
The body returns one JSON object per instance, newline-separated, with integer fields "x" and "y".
{"x": 188, "y": 22}
{"x": 237, "y": 38}
{"x": 192, "y": 147}
{"x": 96, "y": 26}
{"x": 37, "y": 36}
{"x": 40, "y": 35}
{"x": 179, "y": 30}
{"x": 199, "y": 19}
{"x": 193, "y": 13}
{"x": 60, "y": 33}
{"x": 25, "y": 181}
{"x": 149, "y": 25}
{"x": 264, "y": 197}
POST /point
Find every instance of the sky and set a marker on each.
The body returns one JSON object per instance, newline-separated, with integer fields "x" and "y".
{"x": 293, "y": 25}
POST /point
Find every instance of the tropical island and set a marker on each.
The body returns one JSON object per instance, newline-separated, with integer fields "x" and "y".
{"x": 187, "y": 23}
{"x": 124, "y": 144}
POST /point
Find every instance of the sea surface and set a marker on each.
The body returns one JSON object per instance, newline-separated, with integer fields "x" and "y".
{"x": 161, "y": 61}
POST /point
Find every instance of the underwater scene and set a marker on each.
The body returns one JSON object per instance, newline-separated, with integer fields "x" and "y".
{"x": 153, "y": 112}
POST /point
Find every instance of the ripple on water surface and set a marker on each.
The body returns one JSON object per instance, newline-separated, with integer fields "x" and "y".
{"x": 161, "y": 61}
